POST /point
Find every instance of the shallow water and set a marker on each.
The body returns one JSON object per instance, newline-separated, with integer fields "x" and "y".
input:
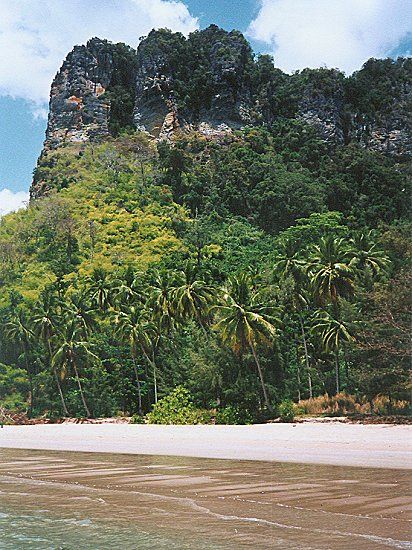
{"x": 52, "y": 500}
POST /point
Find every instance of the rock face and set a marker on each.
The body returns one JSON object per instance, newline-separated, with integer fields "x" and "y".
{"x": 78, "y": 112}
{"x": 322, "y": 103}
{"x": 380, "y": 99}
{"x": 195, "y": 83}
{"x": 211, "y": 82}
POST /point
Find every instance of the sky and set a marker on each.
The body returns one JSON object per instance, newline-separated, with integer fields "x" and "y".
{"x": 36, "y": 35}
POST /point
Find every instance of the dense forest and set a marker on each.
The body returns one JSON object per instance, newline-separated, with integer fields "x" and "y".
{"x": 220, "y": 278}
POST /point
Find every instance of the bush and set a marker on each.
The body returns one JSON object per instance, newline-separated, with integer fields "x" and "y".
{"x": 233, "y": 415}
{"x": 286, "y": 411}
{"x": 137, "y": 419}
{"x": 178, "y": 408}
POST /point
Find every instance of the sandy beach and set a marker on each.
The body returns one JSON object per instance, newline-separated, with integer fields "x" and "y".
{"x": 378, "y": 446}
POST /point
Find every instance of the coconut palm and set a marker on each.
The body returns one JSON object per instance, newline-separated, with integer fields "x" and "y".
{"x": 192, "y": 297}
{"x": 289, "y": 265}
{"x": 334, "y": 333}
{"x": 245, "y": 323}
{"x": 45, "y": 321}
{"x": 100, "y": 288}
{"x": 18, "y": 330}
{"x": 161, "y": 301}
{"x": 71, "y": 349}
{"x": 79, "y": 312}
{"x": 366, "y": 255}
{"x": 331, "y": 273}
{"x": 134, "y": 328}
{"x": 127, "y": 287}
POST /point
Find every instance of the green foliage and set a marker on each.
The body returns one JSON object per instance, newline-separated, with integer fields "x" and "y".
{"x": 286, "y": 411}
{"x": 177, "y": 408}
{"x": 233, "y": 415}
{"x": 261, "y": 267}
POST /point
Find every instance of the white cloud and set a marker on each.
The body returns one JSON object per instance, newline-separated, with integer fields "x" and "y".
{"x": 335, "y": 33}
{"x": 36, "y": 35}
{"x": 10, "y": 201}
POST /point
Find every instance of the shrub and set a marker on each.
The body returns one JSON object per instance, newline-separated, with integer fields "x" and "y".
{"x": 286, "y": 411}
{"x": 233, "y": 415}
{"x": 178, "y": 408}
{"x": 137, "y": 419}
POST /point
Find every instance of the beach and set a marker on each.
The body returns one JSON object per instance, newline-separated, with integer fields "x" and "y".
{"x": 339, "y": 444}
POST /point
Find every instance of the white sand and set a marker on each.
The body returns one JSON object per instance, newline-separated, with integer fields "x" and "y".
{"x": 381, "y": 446}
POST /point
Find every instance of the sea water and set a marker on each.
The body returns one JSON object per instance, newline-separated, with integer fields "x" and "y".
{"x": 61, "y": 500}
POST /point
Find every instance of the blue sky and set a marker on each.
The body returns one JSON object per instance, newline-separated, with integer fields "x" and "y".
{"x": 35, "y": 35}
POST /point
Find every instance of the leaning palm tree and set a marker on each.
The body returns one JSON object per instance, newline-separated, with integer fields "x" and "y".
{"x": 192, "y": 297}
{"x": 334, "y": 333}
{"x": 330, "y": 271}
{"x": 245, "y": 323}
{"x": 45, "y": 321}
{"x": 18, "y": 330}
{"x": 71, "y": 348}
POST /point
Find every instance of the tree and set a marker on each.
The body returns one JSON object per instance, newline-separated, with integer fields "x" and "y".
{"x": 368, "y": 260}
{"x": 192, "y": 297}
{"x": 17, "y": 329}
{"x": 45, "y": 321}
{"x": 334, "y": 333}
{"x": 100, "y": 288}
{"x": 289, "y": 264}
{"x": 245, "y": 323}
{"x": 132, "y": 329}
{"x": 330, "y": 271}
{"x": 71, "y": 347}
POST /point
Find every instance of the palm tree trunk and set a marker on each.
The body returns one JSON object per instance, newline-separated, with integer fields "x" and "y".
{"x": 153, "y": 365}
{"x": 337, "y": 374}
{"x": 86, "y": 408}
{"x": 265, "y": 395}
{"x": 139, "y": 389}
{"x": 305, "y": 347}
{"x": 66, "y": 412}
{"x": 31, "y": 385}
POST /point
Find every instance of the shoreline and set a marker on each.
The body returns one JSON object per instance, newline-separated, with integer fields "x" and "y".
{"x": 338, "y": 444}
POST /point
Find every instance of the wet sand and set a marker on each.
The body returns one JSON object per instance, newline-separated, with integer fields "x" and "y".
{"x": 72, "y": 500}
{"x": 378, "y": 446}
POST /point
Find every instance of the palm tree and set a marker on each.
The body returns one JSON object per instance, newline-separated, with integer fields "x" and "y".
{"x": 100, "y": 288}
{"x": 331, "y": 274}
{"x": 289, "y": 265}
{"x": 71, "y": 348}
{"x": 192, "y": 297}
{"x": 333, "y": 333}
{"x": 17, "y": 329}
{"x": 132, "y": 328}
{"x": 245, "y": 323}
{"x": 45, "y": 321}
{"x": 161, "y": 301}
{"x": 78, "y": 311}
{"x": 367, "y": 258}
{"x": 126, "y": 288}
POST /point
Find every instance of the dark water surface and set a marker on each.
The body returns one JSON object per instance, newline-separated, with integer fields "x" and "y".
{"x": 52, "y": 500}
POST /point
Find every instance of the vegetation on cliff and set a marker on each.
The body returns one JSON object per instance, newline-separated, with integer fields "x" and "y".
{"x": 250, "y": 269}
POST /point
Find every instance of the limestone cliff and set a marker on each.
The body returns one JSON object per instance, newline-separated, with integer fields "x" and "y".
{"x": 212, "y": 83}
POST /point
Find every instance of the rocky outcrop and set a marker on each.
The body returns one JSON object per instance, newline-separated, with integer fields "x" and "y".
{"x": 322, "y": 103}
{"x": 78, "y": 110}
{"x": 195, "y": 83}
{"x": 211, "y": 83}
{"x": 379, "y": 100}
